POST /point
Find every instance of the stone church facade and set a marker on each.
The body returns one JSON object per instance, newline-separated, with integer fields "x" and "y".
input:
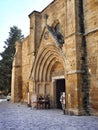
{"x": 60, "y": 55}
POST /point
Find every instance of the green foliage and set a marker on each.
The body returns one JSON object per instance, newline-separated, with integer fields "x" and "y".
{"x": 7, "y": 58}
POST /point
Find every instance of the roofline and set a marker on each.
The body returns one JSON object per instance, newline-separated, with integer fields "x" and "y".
{"x": 48, "y": 6}
{"x": 42, "y": 10}
{"x": 34, "y": 12}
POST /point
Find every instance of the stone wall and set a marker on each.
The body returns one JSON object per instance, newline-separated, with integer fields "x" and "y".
{"x": 91, "y": 35}
{"x": 76, "y": 60}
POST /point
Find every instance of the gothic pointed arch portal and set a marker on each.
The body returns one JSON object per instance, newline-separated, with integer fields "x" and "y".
{"x": 48, "y": 68}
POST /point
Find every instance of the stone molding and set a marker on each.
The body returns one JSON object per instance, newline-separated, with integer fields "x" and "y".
{"x": 75, "y": 72}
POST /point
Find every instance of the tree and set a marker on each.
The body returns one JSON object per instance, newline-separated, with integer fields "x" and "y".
{"x": 7, "y": 58}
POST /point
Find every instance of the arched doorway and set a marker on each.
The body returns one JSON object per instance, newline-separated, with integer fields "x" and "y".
{"x": 49, "y": 66}
{"x": 59, "y": 85}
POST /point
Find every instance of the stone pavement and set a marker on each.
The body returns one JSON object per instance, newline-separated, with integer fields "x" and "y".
{"x": 20, "y": 117}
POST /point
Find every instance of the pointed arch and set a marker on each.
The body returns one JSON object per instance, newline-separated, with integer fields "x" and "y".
{"x": 45, "y": 59}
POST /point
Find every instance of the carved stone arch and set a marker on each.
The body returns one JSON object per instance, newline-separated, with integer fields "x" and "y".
{"x": 49, "y": 69}
{"x": 45, "y": 58}
{"x": 54, "y": 59}
{"x": 41, "y": 65}
{"x": 48, "y": 56}
{"x": 38, "y": 62}
{"x": 44, "y": 70}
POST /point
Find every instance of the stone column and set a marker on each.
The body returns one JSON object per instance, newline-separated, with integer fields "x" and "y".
{"x": 16, "y": 85}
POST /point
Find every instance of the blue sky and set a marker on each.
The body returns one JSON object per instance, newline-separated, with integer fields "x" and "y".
{"x": 15, "y": 13}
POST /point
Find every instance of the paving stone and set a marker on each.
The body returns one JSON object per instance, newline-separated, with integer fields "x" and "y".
{"x": 20, "y": 117}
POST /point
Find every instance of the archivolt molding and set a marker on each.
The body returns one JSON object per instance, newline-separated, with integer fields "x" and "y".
{"x": 48, "y": 60}
{"x": 45, "y": 59}
{"x": 44, "y": 67}
{"x": 49, "y": 68}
